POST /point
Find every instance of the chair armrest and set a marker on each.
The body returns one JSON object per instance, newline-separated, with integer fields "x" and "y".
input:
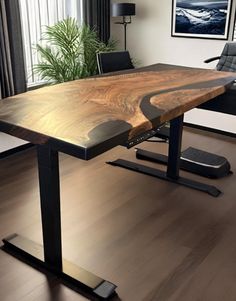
{"x": 212, "y": 59}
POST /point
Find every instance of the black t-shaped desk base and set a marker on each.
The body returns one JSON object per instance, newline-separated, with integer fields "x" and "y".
{"x": 173, "y": 165}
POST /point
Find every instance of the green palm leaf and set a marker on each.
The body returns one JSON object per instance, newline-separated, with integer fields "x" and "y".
{"x": 70, "y": 51}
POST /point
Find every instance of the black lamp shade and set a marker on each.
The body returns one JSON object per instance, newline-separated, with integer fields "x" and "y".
{"x": 123, "y": 9}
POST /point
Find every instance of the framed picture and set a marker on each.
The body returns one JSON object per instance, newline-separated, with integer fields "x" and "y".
{"x": 208, "y": 19}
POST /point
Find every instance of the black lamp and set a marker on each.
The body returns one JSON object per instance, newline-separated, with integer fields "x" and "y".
{"x": 125, "y": 10}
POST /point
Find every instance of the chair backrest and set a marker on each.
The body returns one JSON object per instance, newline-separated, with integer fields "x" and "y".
{"x": 114, "y": 61}
{"x": 227, "y": 61}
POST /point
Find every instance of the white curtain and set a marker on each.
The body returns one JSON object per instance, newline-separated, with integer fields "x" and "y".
{"x": 35, "y": 14}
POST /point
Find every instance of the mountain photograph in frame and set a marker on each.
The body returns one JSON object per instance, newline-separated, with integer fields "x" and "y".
{"x": 208, "y": 19}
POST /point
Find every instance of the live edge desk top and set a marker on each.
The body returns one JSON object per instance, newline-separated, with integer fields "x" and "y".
{"x": 85, "y": 118}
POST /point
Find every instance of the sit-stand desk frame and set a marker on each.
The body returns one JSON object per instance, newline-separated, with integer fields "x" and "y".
{"x": 104, "y": 124}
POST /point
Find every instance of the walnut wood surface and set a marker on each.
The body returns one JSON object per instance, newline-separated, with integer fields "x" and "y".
{"x": 87, "y": 117}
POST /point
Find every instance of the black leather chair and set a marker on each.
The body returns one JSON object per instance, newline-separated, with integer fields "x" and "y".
{"x": 227, "y": 59}
{"x": 225, "y": 103}
{"x": 114, "y": 61}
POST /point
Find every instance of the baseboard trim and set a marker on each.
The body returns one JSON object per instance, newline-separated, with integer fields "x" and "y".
{"x": 204, "y": 128}
{"x": 15, "y": 150}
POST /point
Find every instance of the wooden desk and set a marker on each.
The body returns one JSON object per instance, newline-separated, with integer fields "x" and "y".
{"x": 88, "y": 117}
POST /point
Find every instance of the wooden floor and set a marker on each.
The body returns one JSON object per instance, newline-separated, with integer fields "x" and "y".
{"x": 157, "y": 241}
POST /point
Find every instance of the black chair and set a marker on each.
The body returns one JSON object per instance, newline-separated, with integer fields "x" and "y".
{"x": 225, "y": 103}
{"x": 227, "y": 59}
{"x": 114, "y": 61}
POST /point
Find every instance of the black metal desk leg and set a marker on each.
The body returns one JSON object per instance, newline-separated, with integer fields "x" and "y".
{"x": 49, "y": 257}
{"x": 50, "y": 206}
{"x": 175, "y": 142}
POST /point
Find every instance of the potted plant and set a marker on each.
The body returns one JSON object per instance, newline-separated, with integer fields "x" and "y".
{"x": 68, "y": 51}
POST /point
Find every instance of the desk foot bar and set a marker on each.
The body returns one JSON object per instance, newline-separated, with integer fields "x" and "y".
{"x": 212, "y": 190}
{"x": 71, "y": 275}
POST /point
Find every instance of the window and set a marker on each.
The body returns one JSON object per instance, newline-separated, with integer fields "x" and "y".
{"x": 38, "y": 13}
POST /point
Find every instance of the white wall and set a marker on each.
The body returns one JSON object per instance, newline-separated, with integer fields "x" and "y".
{"x": 149, "y": 41}
{"x": 149, "y": 37}
{"x": 8, "y": 142}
